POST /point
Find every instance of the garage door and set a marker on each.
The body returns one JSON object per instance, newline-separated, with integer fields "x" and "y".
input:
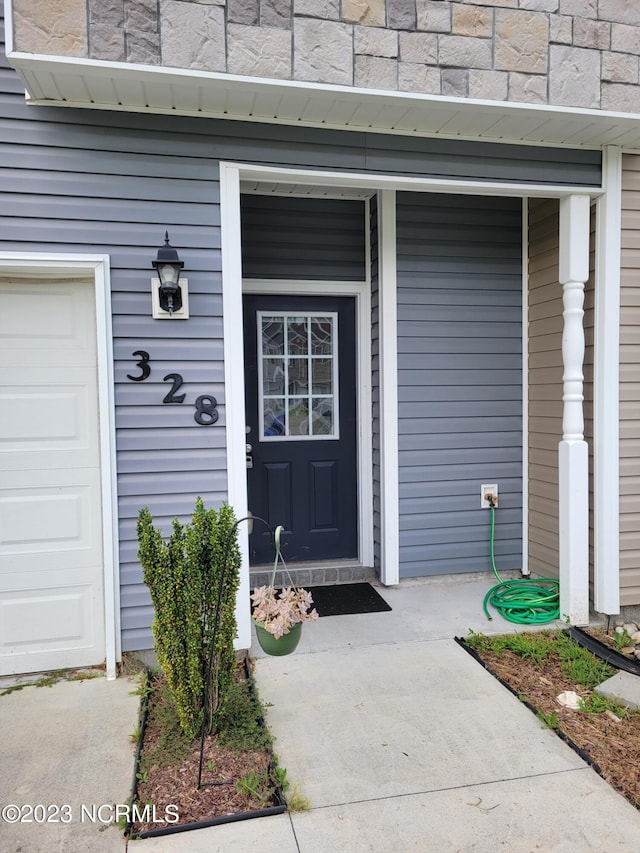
{"x": 51, "y": 567}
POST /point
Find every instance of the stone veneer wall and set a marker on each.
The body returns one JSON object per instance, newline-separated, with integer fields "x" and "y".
{"x": 579, "y": 53}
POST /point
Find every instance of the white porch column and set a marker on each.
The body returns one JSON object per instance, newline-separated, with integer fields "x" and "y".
{"x": 573, "y": 459}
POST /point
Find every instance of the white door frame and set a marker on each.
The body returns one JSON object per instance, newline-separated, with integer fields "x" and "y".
{"x": 231, "y": 175}
{"x": 94, "y": 268}
{"x": 361, "y": 291}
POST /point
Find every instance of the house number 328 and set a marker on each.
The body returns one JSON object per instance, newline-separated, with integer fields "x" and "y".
{"x": 206, "y": 406}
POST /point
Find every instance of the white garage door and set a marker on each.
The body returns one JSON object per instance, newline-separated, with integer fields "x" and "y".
{"x": 51, "y": 567}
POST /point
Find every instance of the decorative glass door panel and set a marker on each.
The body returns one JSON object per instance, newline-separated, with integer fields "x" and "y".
{"x": 298, "y": 376}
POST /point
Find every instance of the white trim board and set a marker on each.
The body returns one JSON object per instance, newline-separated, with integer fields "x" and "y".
{"x": 95, "y": 267}
{"x": 525, "y": 387}
{"x": 606, "y": 388}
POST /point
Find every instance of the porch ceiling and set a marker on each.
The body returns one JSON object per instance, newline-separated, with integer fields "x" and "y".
{"x": 120, "y": 86}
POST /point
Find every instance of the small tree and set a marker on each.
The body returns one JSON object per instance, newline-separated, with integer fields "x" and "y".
{"x": 184, "y": 578}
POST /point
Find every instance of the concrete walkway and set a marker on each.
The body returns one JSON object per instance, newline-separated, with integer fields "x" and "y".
{"x": 396, "y": 736}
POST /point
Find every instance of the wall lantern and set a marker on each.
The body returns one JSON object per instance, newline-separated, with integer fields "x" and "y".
{"x": 170, "y": 295}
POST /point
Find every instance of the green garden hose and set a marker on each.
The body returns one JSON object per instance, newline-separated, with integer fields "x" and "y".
{"x": 525, "y": 602}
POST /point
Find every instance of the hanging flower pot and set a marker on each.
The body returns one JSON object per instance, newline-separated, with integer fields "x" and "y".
{"x": 283, "y": 645}
{"x": 278, "y": 614}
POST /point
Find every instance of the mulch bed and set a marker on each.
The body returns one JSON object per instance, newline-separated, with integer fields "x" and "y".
{"x": 171, "y": 783}
{"x": 612, "y": 747}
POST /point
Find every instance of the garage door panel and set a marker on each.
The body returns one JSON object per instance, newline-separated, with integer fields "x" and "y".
{"x": 57, "y": 319}
{"x": 45, "y": 623}
{"x": 48, "y": 521}
{"x": 51, "y": 570}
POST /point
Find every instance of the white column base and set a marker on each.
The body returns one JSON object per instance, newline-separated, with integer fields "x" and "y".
{"x": 573, "y": 470}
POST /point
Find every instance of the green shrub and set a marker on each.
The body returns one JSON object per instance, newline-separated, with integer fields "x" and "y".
{"x": 183, "y": 576}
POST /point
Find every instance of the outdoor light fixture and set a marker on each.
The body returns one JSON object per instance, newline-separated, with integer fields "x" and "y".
{"x": 169, "y": 299}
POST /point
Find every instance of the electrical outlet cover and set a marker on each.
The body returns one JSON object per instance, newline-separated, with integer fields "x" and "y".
{"x": 488, "y": 489}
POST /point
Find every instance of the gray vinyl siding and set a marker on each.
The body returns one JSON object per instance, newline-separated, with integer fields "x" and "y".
{"x": 460, "y": 381}
{"x": 302, "y": 238}
{"x": 85, "y": 181}
{"x": 545, "y": 386}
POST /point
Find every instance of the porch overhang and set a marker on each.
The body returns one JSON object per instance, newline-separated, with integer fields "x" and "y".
{"x": 95, "y": 84}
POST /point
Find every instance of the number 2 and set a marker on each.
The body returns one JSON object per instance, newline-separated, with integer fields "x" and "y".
{"x": 171, "y": 396}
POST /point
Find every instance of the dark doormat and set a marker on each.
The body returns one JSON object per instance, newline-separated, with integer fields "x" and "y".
{"x": 343, "y": 598}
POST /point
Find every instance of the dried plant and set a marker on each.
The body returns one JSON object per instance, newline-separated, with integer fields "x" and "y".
{"x": 278, "y": 611}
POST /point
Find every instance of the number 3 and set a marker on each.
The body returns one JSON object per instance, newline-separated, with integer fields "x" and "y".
{"x": 143, "y": 364}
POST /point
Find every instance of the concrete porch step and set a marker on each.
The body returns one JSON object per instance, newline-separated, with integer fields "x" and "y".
{"x": 313, "y": 573}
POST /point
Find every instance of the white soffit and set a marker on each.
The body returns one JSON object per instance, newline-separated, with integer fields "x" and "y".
{"x": 78, "y": 82}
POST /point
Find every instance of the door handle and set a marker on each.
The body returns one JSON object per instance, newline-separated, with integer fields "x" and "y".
{"x": 249, "y": 457}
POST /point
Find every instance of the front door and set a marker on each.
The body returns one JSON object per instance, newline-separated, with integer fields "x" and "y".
{"x": 300, "y": 372}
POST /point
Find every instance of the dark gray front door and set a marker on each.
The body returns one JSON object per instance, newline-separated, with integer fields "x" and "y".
{"x": 300, "y": 370}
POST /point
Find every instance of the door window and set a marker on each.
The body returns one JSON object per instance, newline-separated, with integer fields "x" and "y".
{"x": 298, "y": 376}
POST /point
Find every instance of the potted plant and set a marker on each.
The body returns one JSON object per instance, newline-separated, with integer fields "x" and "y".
{"x": 278, "y": 614}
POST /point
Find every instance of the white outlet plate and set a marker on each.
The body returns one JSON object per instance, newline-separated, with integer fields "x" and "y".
{"x": 488, "y": 489}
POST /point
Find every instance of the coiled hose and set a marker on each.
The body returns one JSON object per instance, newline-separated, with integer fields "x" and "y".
{"x": 525, "y": 602}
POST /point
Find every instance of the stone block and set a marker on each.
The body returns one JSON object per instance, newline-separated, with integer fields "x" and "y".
{"x": 328, "y": 10}
{"x": 621, "y": 98}
{"x": 434, "y": 16}
{"x": 142, "y": 47}
{"x": 596, "y": 34}
{"x": 539, "y": 5}
{"x": 107, "y": 12}
{"x": 323, "y": 51}
{"x": 243, "y": 11}
{"x": 504, "y": 4}
{"x": 276, "y": 13}
{"x": 619, "y": 68}
{"x": 528, "y": 88}
{"x": 488, "y": 85}
{"x": 259, "y": 51}
{"x": 455, "y": 82}
{"x": 472, "y": 21}
{"x": 369, "y": 13}
{"x": 375, "y": 41}
{"x": 463, "y": 52}
{"x": 413, "y": 77}
{"x": 401, "y": 14}
{"x": 625, "y": 39}
{"x": 40, "y": 26}
{"x": 141, "y": 15}
{"x": 574, "y": 77}
{"x": 106, "y": 43}
{"x": 419, "y": 47}
{"x": 375, "y": 72}
{"x": 192, "y": 35}
{"x": 580, "y": 8}
{"x": 521, "y": 41}
{"x": 623, "y": 687}
{"x": 561, "y": 29}
{"x": 620, "y": 11}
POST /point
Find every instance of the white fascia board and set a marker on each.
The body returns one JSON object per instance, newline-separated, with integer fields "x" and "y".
{"x": 447, "y": 117}
{"x": 606, "y": 391}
